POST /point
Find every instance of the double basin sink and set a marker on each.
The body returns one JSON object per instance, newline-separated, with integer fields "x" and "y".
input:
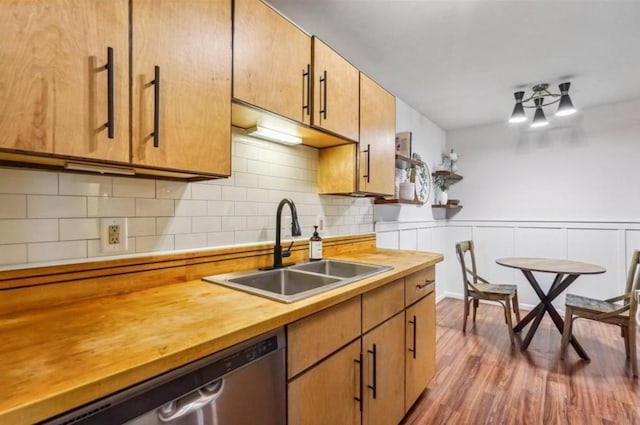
{"x": 298, "y": 281}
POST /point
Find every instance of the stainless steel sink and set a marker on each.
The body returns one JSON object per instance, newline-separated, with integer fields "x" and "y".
{"x": 338, "y": 268}
{"x": 299, "y": 281}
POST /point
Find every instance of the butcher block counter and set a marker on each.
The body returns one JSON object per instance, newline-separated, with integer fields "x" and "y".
{"x": 55, "y": 358}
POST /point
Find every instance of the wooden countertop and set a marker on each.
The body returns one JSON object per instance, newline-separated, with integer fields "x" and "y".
{"x": 53, "y": 360}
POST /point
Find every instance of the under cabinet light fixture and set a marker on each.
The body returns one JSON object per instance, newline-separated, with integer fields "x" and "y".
{"x": 102, "y": 169}
{"x": 540, "y": 94}
{"x": 273, "y": 135}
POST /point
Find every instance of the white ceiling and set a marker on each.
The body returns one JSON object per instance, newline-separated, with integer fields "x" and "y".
{"x": 458, "y": 62}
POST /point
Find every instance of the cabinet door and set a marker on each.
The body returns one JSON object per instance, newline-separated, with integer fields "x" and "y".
{"x": 190, "y": 43}
{"x": 377, "y": 138}
{"x": 327, "y": 394}
{"x": 335, "y": 92}
{"x": 384, "y": 372}
{"x": 421, "y": 347}
{"x": 271, "y": 61}
{"x": 53, "y": 81}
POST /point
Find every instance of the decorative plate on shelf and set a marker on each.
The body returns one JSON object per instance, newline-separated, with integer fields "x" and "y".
{"x": 423, "y": 181}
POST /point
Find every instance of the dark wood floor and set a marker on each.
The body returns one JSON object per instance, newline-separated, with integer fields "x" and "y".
{"x": 481, "y": 379}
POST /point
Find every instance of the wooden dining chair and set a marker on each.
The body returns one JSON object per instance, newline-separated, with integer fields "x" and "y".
{"x": 619, "y": 311}
{"x": 477, "y": 288}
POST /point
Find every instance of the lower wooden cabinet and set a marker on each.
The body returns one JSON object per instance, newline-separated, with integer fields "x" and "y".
{"x": 383, "y": 352}
{"x": 420, "y": 354}
{"x": 326, "y": 394}
{"x": 366, "y": 360}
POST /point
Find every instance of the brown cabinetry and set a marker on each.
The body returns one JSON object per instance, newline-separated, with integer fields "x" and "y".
{"x": 420, "y": 353}
{"x": 54, "y": 84}
{"x": 367, "y": 359}
{"x": 68, "y": 94}
{"x": 181, "y": 75}
{"x": 335, "y": 92}
{"x": 271, "y": 61}
{"x": 369, "y": 167}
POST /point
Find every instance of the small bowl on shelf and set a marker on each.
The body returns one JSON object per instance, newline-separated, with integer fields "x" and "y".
{"x": 453, "y": 201}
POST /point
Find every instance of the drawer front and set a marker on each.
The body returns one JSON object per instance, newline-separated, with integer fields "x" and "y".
{"x": 382, "y": 303}
{"x": 419, "y": 284}
{"x": 315, "y": 337}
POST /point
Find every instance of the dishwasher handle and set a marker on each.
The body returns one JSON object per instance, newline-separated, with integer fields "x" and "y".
{"x": 191, "y": 402}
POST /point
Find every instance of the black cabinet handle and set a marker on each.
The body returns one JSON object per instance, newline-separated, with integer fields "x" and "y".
{"x": 110, "y": 125}
{"x": 359, "y": 398}
{"x": 368, "y": 152}
{"x": 323, "y": 104}
{"x": 414, "y": 350}
{"x": 424, "y": 285}
{"x": 374, "y": 386}
{"x": 306, "y": 76}
{"x": 156, "y": 107}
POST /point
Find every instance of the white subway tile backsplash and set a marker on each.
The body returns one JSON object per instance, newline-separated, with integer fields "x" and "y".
{"x": 206, "y": 191}
{"x": 220, "y": 238}
{"x": 154, "y": 207}
{"x": 13, "y": 206}
{"x": 24, "y": 231}
{"x": 247, "y": 236}
{"x": 128, "y": 187}
{"x": 246, "y": 179}
{"x": 111, "y": 207}
{"x": 169, "y": 215}
{"x": 94, "y": 248}
{"x": 85, "y": 184}
{"x": 190, "y": 208}
{"x": 191, "y": 241}
{"x": 247, "y": 208}
{"x": 220, "y": 208}
{"x": 233, "y": 193}
{"x": 52, "y": 251}
{"x": 154, "y": 243}
{"x": 206, "y": 224}
{"x": 173, "y": 225}
{"x": 173, "y": 190}
{"x": 141, "y": 226}
{"x": 234, "y": 223}
{"x": 258, "y": 195}
{"x": 79, "y": 228}
{"x": 46, "y": 206}
{"x": 13, "y": 254}
{"x": 28, "y": 182}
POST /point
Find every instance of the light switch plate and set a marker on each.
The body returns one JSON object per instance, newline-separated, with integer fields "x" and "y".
{"x": 113, "y": 234}
{"x": 320, "y": 222}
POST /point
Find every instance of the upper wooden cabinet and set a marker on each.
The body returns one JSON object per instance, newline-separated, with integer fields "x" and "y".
{"x": 367, "y": 167}
{"x": 271, "y": 61}
{"x": 53, "y": 81}
{"x": 181, "y": 76}
{"x": 335, "y": 92}
{"x": 377, "y": 138}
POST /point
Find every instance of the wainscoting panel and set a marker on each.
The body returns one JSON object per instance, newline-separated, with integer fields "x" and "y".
{"x": 609, "y": 244}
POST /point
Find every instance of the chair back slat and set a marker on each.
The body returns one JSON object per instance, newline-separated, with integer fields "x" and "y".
{"x": 633, "y": 282}
{"x": 462, "y": 248}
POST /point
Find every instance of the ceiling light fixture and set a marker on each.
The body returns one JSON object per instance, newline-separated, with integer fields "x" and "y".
{"x": 273, "y": 135}
{"x": 540, "y": 93}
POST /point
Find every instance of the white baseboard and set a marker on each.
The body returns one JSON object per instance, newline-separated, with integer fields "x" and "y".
{"x": 458, "y": 296}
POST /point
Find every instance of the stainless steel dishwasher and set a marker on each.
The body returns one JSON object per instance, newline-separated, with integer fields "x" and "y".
{"x": 242, "y": 385}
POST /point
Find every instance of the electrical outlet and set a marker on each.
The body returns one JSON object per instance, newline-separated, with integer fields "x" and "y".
{"x": 113, "y": 234}
{"x": 320, "y": 222}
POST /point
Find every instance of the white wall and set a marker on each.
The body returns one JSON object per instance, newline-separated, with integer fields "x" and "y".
{"x": 429, "y": 141}
{"x": 54, "y": 217}
{"x": 585, "y": 168}
{"x": 569, "y": 191}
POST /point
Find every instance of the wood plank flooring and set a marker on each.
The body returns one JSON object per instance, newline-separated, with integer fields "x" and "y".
{"x": 482, "y": 379}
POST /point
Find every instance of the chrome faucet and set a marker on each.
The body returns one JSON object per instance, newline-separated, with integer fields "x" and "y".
{"x": 278, "y": 253}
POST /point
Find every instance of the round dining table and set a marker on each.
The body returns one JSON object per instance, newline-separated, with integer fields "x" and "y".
{"x": 566, "y": 271}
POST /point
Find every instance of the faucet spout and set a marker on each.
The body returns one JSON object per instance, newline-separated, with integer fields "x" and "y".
{"x": 295, "y": 231}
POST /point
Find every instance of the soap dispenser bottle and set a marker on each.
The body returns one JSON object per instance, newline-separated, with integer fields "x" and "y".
{"x": 315, "y": 246}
